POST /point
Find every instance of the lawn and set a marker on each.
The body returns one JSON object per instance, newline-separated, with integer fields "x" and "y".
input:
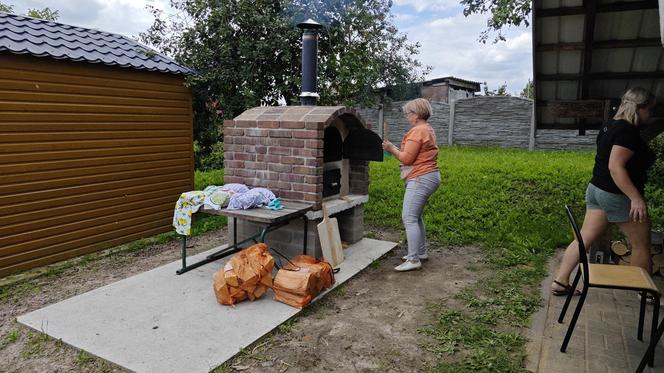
{"x": 510, "y": 203}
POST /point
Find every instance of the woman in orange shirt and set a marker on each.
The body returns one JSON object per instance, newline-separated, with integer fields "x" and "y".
{"x": 419, "y": 168}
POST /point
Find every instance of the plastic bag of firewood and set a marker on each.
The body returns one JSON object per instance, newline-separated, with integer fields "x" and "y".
{"x": 322, "y": 270}
{"x": 295, "y": 288}
{"x": 248, "y": 274}
{"x": 301, "y": 280}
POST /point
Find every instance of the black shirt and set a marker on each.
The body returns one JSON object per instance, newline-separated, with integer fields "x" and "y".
{"x": 620, "y": 132}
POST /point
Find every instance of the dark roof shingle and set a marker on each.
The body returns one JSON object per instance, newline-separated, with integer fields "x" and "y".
{"x": 37, "y": 37}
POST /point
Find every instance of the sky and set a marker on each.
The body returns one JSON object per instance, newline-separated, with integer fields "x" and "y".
{"x": 449, "y": 41}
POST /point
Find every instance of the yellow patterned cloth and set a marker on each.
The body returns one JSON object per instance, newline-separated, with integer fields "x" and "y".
{"x": 185, "y": 207}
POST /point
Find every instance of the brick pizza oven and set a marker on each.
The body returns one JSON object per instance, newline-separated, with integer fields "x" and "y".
{"x": 312, "y": 154}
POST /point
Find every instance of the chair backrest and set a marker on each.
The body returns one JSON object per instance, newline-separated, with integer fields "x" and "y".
{"x": 583, "y": 258}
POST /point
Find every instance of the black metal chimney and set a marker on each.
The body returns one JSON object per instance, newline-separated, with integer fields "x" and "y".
{"x": 309, "y": 95}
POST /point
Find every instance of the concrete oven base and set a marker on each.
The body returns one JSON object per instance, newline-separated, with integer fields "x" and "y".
{"x": 289, "y": 239}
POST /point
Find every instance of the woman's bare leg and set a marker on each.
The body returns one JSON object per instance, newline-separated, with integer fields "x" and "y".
{"x": 638, "y": 235}
{"x": 594, "y": 224}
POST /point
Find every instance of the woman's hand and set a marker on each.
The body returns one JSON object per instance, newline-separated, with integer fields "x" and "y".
{"x": 387, "y": 145}
{"x": 638, "y": 211}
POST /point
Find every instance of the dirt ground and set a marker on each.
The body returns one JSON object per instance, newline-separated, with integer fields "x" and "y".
{"x": 368, "y": 324}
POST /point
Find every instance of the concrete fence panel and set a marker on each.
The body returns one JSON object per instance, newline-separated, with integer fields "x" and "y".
{"x": 495, "y": 121}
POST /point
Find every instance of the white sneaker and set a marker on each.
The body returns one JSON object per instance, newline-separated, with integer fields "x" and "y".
{"x": 408, "y": 265}
{"x": 422, "y": 257}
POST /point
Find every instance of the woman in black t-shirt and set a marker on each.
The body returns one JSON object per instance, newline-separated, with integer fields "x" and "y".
{"x": 615, "y": 192}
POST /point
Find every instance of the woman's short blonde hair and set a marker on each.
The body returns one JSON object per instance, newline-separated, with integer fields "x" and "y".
{"x": 420, "y": 107}
{"x": 634, "y": 99}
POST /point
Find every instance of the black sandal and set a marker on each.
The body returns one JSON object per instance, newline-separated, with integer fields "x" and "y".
{"x": 564, "y": 291}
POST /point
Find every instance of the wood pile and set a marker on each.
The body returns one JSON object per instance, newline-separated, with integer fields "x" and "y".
{"x": 301, "y": 280}
{"x": 248, "y": 274}
{"x": 622, "y": 253}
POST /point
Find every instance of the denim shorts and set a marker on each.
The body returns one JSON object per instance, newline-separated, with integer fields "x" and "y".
{"x": 616, "y": 206}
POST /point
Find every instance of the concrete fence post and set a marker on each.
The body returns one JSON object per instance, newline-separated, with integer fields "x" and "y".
{"x": 381, "y": 120}
{"x": 450, "y": 135}
{"x": 531, "y": 140}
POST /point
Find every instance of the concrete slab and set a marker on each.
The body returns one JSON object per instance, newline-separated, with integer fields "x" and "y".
{"x": 160, "y": 322}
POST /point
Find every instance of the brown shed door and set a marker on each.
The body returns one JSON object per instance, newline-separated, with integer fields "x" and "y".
{"x": 90, "y": 157}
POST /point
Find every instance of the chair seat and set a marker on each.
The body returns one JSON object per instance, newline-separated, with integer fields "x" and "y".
{"x": 629, "y": 277}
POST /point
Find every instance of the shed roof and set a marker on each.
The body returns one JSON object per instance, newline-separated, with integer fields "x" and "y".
{"x": 454, "y": 81}
{"x": 41, "y": 38}
{"x": 595, "y": 50}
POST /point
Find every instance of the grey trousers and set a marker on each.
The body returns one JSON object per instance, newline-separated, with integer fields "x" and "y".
{"x": 417, "y": 193}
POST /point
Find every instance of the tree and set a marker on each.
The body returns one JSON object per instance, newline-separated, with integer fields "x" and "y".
{"x": 503, "y": 13}
{"x": 6, "y": 8}
{"x": 46, "y": 13}
{"x": 500, "y": 91}
{"x": 529, "y": 90}
{"x": 247, "y": 53}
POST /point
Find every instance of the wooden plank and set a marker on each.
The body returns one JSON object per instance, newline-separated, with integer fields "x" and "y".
{"x": 49, "y": 165}
{"x": 53, "y": 258}
{"x": 17, "y": 137}
{"x": 97, "y": 210}
{"x": 601, "y": 8}
{"x": 75, "y": 68}
{"x": 265, "y": 215}
{"x": 9, "y": 116}
{"x": 14, "y": 148}
{"x": 566, "y": 126}
{"x": 604, "y": 44}
{"x": 46, "y": 185}
{"x": 46, "y": 107}
{"x": 17, "y": 71}
{"x": 76, "y": 89}
{"x": 34, "y": 210}
{"x": 71, "y": 224}
{"x": 101, "y": 98}
{"x": 30, "y": 127}
{"x": 92, "y": 153}
{"x": 603, "y": 76}
{"x": 84, "y": 172}
{"x": 81, "y": 190}
{"x": 38, "y": 78}
{"x": 82, "y": 238}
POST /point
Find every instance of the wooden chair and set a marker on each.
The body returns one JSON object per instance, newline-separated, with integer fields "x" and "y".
{"x": 609, "y": 277}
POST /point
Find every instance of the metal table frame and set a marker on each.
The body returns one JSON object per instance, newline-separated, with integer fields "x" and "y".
{"x": 271, "y": 219}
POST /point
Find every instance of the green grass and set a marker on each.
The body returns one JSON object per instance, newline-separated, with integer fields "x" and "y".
{"x": 510, "y": 203}
{"x": 9, "y": 338}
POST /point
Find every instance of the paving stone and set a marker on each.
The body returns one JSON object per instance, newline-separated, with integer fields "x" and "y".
{"x": 604, "y": 339}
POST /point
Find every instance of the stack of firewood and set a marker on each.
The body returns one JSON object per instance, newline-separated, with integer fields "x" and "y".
{"x": 248, "y": 274}
{"x": 302, "y": 280}
{"x": 622, "y": 254}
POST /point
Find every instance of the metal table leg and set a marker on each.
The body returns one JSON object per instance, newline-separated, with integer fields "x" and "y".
{"x": 306, "y": 225}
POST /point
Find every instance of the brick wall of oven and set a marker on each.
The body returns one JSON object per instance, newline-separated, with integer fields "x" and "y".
{"x": 281, "y": 148}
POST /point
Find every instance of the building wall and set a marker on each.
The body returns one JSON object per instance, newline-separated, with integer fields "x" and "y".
{"x": 438, "y": 92}
{"x": 91, "y": 156}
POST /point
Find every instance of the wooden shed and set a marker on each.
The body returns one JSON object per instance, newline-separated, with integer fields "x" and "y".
{"x": 95, "y": 141}
{"x": 587, "y": 53}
